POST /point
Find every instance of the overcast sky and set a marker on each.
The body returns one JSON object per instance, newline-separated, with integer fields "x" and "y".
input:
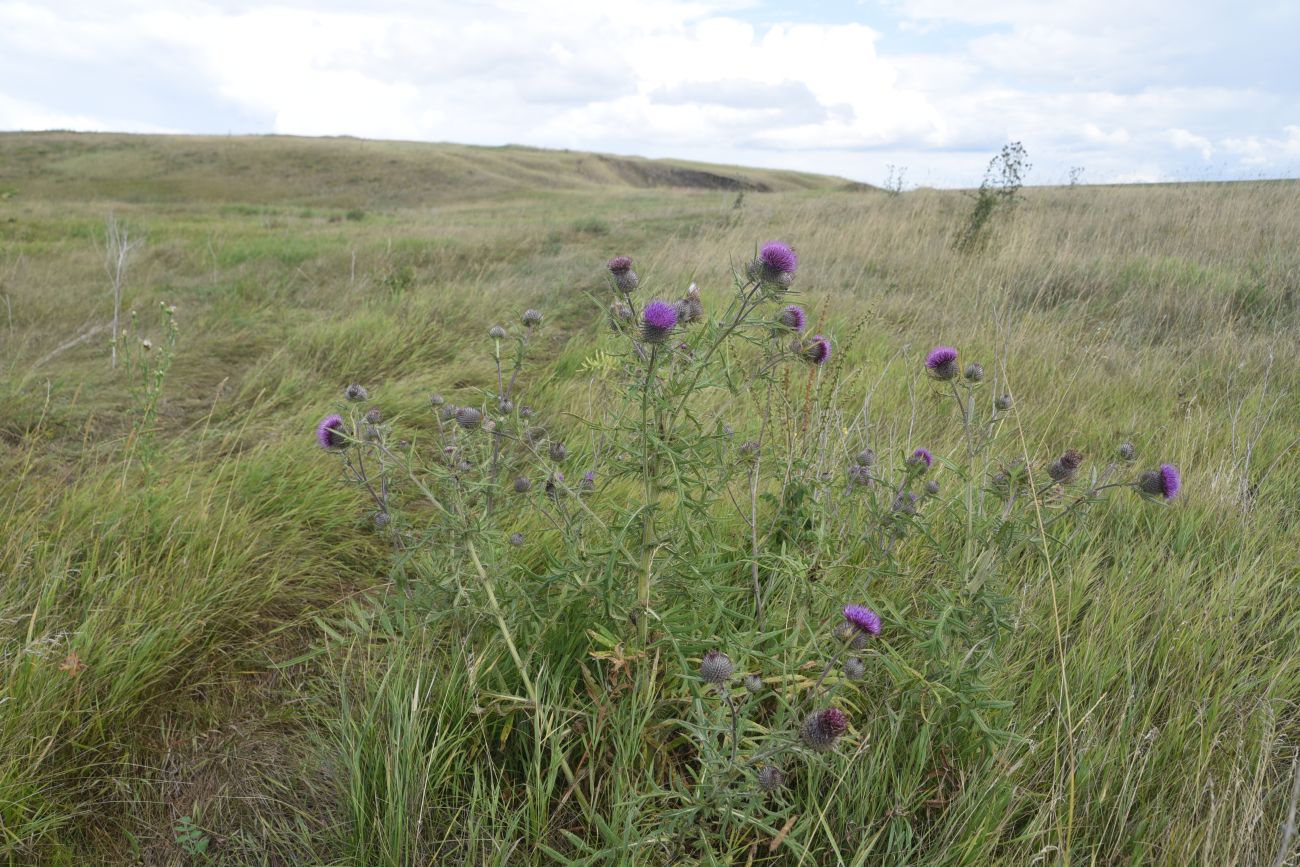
{"x": 1129, "y": 90}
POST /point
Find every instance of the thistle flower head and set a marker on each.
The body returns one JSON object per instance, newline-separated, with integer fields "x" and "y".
{"x": 523, "y": 485}
{"x": 517, "y": 539}
{"x": 657, "y": 321}
{"x": 865, "y": 458}
{"x": 748, "y": 451}
{"x": 624, "y": 277}
{"x": 619, "y": 264}
{"x": 859, "y": 475}
{"x": 920, "y": 460}
{"x": 355, "y": 392}
{"x": 1127, "y": 452}
{"x": 558, "y": 451}
{"x": 469, "y": 418}
{"x": 817, "y": 351}
{"x": 932, "y": 488}
{"x": 863, "y": 619}
{"x": 531, "y": 318}
{"x": 497, "y": 332}
{"x": 854, "y": 668}
{"x": 437, "y": 400}
{"x": 588, "y": 482}
{"x": 447, "y": 413}
{"x": 1064, "y": 468}
{"x": 753, "y": 684}
{"x": 822, "y": 728}
{"x": 778, "y": 257}
{"x": 974, "y": 372}
{"x": 942, "y": 362}
{"x": 794, "y": 318}
{"x": 330, "y": 432}
{"x": 770, "y": 778}
{"x": 1164, "y": 482}
{"x": 1002, "y": 403}
{"x": 691, "y": 308}
{"x": 716, "y": 667}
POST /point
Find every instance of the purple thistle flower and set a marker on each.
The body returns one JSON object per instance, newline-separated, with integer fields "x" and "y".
{"x": 778, "y": 257}
{"x": 1164, "y": 482}
{"x": 822, "y": 728}
{"x": 942, "y": 362}
{"x": 624, "y": 277}
{"x": 863, "y": 618}
{"x": 619, "y": 264}
{"x": 921, "y": 457}
{"x": 658, "y": 320}
{"x": 794, "y": 318}
{"x": 818, "y": 350}
{"x": 588, "y": 482}
{"x": 716, "y": 667}
{"x": 330, "y": 433}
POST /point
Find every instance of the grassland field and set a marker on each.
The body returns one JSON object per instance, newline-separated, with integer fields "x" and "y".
{"x": 198, "y": 656}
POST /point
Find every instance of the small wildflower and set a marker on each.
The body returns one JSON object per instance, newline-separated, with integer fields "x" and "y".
{"x": 517, "y": 539}
{"x": 1002, "y": 403}
{"x": 330, "y": 432}
{"x": 496, "y": 332}
{"x": 523, "y": 485}
{"x": 588, "y": 482}
{"x": 1164, "y": 482}
{"x": 974, "y": 372}
{"x": 748, "y": 451}
{"x": 854, "y": 668}
{"x": 716, "y": 667}
{"x": 863, "y": 619}
{"x": 776, "y": 265}
{"x": 657, "y": 321}
{"x": 356, "y": 393}
{"x": 624, "y": 277}
{"x": 1127, "y": 452}
{"x": 728, "y": 431}
{"x": 770, "y": 778}
{"x": 558, "y": 451}
{"x": 942, "y": 362}
{"x": 531, "y": 318}
{"x": 469, "y": 418}
{"x": 920, "y": 460}
{"x": 794, "y": 318}
{"x": 753, "y": 684}
{"x": 822, "y": 728}
{"x": 817, "y": 351}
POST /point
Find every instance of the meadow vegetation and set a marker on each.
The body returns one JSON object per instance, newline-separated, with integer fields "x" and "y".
{"x": 223, "y": 644}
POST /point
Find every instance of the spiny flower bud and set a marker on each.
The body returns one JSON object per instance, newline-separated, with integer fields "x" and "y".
{"x": 748, "y": 451}
{"x": 620, "y": 314}
{"x": 496, "y": 332}
{"x": 770, "y": 778}
{"x": 331, "y": 433}
{"x": 942, "y": 362}
{"x": 904, "y": 503}
{"x": 657, "y": 321}
{"x": 932, "y": 487}
{"x": 624, "y": 277}
{"x": 716, "y": 667}
{"x": 865, "y": 458}
{"x": 974, "y": 372}
{"x": 356, "y": 392}
{"x": 469, "y": 418}
{"x": 854, "y": 668}
{"x": 776, "y": 265}
{"x": 374, "y": 415}
{"x": 505, "y": 405}
{"x": 380, "y": 519}
{"x": 531, "y": 318}
{"x": 1127, "y": 452}
{"x": 753, "y": 684}
{"x": 794, "y": 318}
{"x": 523, "y": 484}
{"x": 817, "y": 351}
{"x": 859, "y": 475}
{"x": 823, "y": 728}
{"x": 553, "y": 489}
{"x": 558, "y": 452}
{"x": 447, "y": 413}
{"x": 690, "y": 309}
{"x": 1064, "y": 468}
{"x": 1002, "y": 403}
{"x": 1164, "y": 482}
{"x": 920, "y": 460}
{"x": 436, "y": 400}
{"x": 588, "y": 482}
{"x": 516, "y": 539}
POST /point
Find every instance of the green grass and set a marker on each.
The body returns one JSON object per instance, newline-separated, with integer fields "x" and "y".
{"x": 199, "y": 619}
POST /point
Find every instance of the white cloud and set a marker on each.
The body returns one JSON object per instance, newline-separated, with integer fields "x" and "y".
{"x": 1183, "y": 139}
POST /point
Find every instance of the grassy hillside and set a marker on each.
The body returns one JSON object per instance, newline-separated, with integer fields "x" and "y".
{"x": 201, "y": 626}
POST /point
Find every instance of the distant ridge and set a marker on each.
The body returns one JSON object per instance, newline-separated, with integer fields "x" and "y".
{"x": 343, "y": 171}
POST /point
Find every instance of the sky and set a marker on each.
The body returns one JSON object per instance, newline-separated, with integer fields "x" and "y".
{"x": 1118, "y": 90}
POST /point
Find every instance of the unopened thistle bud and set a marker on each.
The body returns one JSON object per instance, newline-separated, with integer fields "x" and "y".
{"x": 496, "y": 332}
{"x": 753, "y": 684}
{"x": 932, "y": 487}
{"x": 865, "y": 458}
{"x": 380, "y": 520}
{"x": 505, "y": 405}
{"x": 558, "y": 452}
{"x": 469, "y": 418}
{"x": 974, "y": 372}
{"x": 624, "y": 277}
{"x": 770, "y": 778}
{"x": 517, "y": 539}
{"x": 531, "y": 318}
{"x": 657, "y": 321}
{"x": 1164, "y": 482}
{"x": 1127, "y": 452}
{"x": 553, "y": 485}
{"x": 436, "y": 400}
{"x": 355, "y": 392}
{"x": 1064, "y": 468}
{"x": 748, "y": 451}
{"x": 1002, "y": 403}
{"x": 823, "y": 728}
{"x": 854, "y": 668}
{"x": 374, "y": 415}
{"x": 904, "y": 503}
{"x": 523, "y": 485}
{"x": 620, "y": 315}
{"x": 859, "y": 475}
{"x": 691, "y": 308}
{"x": 447, "y": 413}
{"x": 716, "y": 667}
{"x": 942, "y": 362}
